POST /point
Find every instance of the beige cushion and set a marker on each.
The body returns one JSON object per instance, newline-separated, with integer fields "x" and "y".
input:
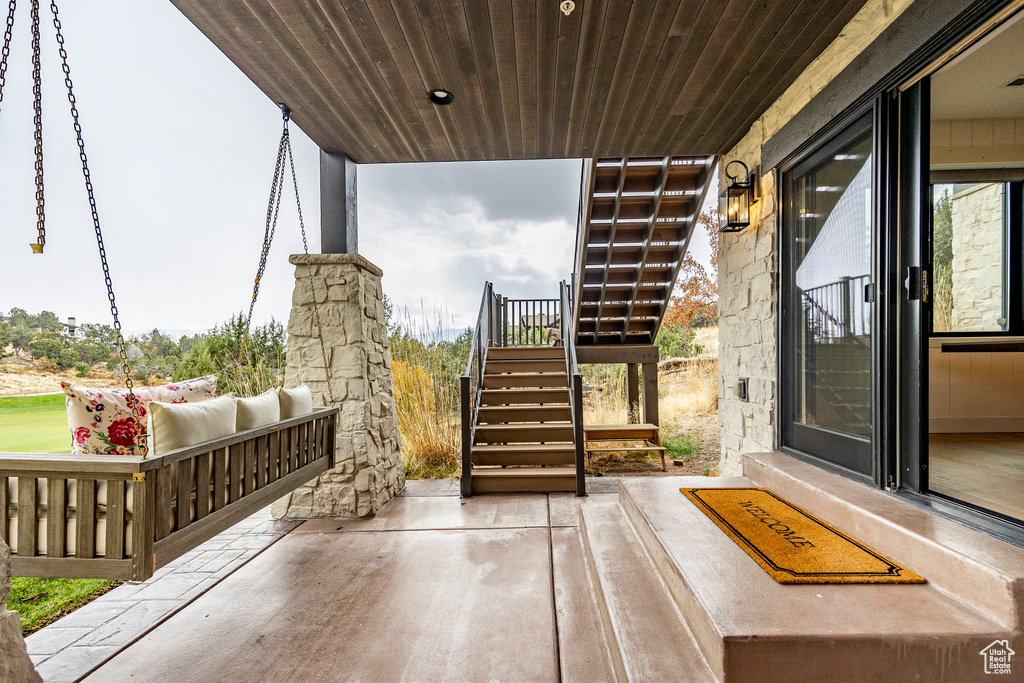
{"x": 179, "y": 425}
{"x": 257, "y": 411}
{"x": 295, "y": 402}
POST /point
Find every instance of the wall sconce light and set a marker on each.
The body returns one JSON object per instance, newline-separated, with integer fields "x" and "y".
{"x": 735, "y": 200}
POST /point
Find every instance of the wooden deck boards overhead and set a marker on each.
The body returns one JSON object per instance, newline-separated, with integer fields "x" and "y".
{"x": 613, "y": 79}
{"x": 638, "y": 217}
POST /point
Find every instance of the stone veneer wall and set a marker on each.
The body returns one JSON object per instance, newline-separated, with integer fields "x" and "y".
{"x": 368, "y": 465}
{"x": 15, "y": 665}
{"x": 747, "y": 260}
{"x": 978, "y": 258}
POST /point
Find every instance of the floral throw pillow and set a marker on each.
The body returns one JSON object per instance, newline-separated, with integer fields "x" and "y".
{"x": 101, "y": 421}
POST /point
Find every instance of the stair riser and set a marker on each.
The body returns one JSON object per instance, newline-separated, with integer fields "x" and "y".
{"x": 524, "y": 485}
{"x": 501, "y": 415}
{"x": 499, "y": 366}
{"x": 700, "y": 623}
{"x": 526, "y": 353}
{"x": 524, "y": 434}
{"x": 557, "y": 459}
{"x": 523, "y": 381}
{"x": 526, "y": 397}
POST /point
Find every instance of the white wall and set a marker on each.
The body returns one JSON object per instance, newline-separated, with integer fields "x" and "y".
{"x": 974, "y": 392}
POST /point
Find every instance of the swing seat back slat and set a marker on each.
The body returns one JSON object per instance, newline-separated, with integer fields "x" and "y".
{"x": 123, "y": 517}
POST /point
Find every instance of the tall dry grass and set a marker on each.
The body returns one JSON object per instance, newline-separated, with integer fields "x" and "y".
{"x": 942, "y": 298}
{"x": 695, "y": 392}
{"x": 425, "y": 365}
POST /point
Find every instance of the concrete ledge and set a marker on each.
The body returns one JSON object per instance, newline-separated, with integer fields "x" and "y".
{"x": 751, "y": 628}
{"x": 982, "y": 571}
{"x": 335, "y": 259}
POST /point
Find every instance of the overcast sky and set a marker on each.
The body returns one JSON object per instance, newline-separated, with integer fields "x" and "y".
{"x": 181, "y": 147}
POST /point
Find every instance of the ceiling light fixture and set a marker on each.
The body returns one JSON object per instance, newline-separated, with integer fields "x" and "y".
{"x": 567, "y": 7}
{"x": 440, "y": 96}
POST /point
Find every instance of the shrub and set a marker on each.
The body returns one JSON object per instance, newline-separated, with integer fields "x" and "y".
{"x": 677, "y": 342}
{"x": 81, "y": 369}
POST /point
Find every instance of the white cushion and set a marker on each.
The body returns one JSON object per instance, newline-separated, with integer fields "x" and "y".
{"x": 257, "y": 411}
{"x": 295, "y": 402}
{"x": 173, "y": 426}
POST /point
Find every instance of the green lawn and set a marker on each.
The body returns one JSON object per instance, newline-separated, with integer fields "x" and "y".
{"x": 38, "y": 424}
{"x": 34, "y": 424}
{"x": 59, "y": 597}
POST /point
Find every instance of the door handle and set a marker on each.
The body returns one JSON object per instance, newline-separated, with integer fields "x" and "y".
{"x": 913, "y": 283}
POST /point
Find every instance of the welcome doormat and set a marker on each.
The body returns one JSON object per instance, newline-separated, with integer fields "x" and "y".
{"x": 792, "y": 545}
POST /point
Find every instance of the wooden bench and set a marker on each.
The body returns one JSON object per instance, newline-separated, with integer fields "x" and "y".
{"x": 649, "y": 434}
{"x": 123, "y": 517}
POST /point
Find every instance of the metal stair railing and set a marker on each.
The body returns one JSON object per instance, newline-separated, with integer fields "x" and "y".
{"x": 471, "y": 383}
{"x": 572, "y": 371}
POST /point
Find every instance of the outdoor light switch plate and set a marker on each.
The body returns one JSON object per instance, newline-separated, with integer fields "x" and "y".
{"x": 741, "y": 389}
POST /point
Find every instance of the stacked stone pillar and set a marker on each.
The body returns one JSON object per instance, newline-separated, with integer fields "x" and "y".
{"x": 368, "y": 465}
{"x": 15, "y": 664}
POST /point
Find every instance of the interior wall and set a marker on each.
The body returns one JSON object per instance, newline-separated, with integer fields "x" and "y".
{"x": 974, "y": 392}
{"x": 977, "y": 143}
{"x": 747, "y": 260}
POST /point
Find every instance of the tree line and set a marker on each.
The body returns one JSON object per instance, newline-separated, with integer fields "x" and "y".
{"x": 153, "y": 356}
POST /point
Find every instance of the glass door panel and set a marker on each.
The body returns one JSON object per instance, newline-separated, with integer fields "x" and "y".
{"x": 827, "y": 318}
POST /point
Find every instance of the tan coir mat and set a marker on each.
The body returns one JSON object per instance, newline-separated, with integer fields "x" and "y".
{"x": 792, "y": 545}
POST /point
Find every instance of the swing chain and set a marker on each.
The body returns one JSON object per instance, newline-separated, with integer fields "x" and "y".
{"x": 5, "y": 52}
{"x": 133, "y": 402}
{"x": 309, "y": 269}
{"x": 37, "y": 120}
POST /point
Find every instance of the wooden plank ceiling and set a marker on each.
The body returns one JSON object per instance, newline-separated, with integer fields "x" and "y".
{"x": 613, "y": 79}
{"x": 637, "y": 220}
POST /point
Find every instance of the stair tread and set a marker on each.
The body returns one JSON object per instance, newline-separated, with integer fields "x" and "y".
{"x": 523, "y": 472}
{"x": 647, "y": 634}
{"x": 520, "y": 447}
{"x": 919, "y": 620}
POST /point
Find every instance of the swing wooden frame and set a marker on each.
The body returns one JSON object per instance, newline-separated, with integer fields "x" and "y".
{"x": 239, "y": 474}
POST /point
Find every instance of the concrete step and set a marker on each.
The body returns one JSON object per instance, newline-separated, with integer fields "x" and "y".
{"x": 526, "y": 353}
{"x": 494, "y": 367}
{"x": 525, "y": 454}
{"x": 980, "y": 569}
{"x": 552, "y": 432}
{"x": 583, "y": 649}
{"x": 524, "y": 479}
{"x": 647, "y": 635}
{"x": 510, "y": 414}
{"x": 499, "y": 397}
{"x": 526, "y": 380}
{"x": 751, "y": 628}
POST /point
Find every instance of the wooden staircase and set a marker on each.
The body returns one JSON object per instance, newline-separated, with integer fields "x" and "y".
{"x": 523, "y": 439}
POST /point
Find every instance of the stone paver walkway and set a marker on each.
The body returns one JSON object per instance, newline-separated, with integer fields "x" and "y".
{"x": 69, "y": 649}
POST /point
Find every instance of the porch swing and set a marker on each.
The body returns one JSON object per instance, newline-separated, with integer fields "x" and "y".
{"x": 124, "y": 516}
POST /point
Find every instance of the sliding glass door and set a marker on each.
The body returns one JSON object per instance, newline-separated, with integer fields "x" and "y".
{"x": 826, "y": 302}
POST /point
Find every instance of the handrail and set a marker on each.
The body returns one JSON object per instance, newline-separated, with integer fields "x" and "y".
{"x": 576, "y": 388}
{"x": 470, "y": 394}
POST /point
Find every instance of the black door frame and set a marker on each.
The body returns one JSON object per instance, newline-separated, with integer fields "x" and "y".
{"x": 901, "y": 188}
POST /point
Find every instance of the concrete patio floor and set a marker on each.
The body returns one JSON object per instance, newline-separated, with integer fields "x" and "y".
{"x": 433, "y": 588}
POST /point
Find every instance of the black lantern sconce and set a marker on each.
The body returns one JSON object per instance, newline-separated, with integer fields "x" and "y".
{"x": 735, "y": 200}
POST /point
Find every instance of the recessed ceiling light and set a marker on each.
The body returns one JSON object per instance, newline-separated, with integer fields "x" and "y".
{"x": 440, "y": 96}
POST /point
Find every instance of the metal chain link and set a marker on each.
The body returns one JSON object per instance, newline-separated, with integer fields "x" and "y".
{"x": 309, "y": 269}
{"x": 133, "y": 401}
{"x": 37, "y": 120}
{"x": 273, "y": 209}
{"x": 284, "y": 153}
{"x": 6, "y": 51}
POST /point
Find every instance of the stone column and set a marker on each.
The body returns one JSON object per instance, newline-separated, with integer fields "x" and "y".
{"x": 15, "y": 664}
{"x": 368, "y": 464}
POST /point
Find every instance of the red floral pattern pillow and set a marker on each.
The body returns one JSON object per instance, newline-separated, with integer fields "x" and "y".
{"x": 101, "y": 422}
